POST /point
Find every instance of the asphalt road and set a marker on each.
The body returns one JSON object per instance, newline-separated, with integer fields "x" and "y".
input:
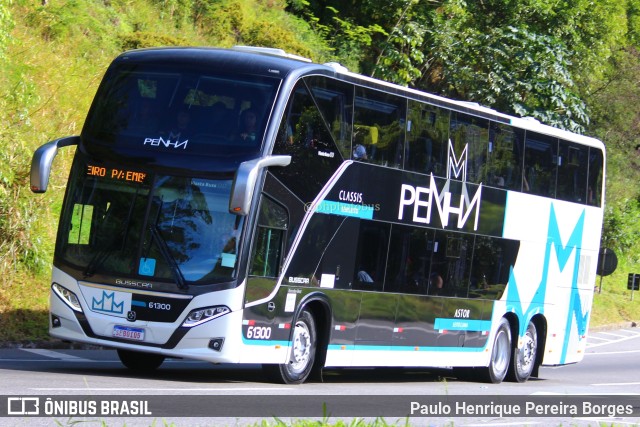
{"x": 611, "y": 367}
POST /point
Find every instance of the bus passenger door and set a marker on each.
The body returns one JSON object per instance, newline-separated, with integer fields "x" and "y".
{"x": 280, "y": 212}
{"x": 265, "y": 262}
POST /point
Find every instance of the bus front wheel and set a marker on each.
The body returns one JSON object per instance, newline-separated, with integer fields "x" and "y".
{"x": 523, "y": 359}
{"x": 500, "y": 354}
{"x": 303, "y": 352}
{"x": 141, "y": 362}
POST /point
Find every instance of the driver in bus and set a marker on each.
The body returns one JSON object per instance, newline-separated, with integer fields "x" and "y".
{"x": 248, "y": 126}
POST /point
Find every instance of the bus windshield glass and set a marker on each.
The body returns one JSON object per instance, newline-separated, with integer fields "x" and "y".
{"x": 158, "y": 109}
{"x": 129, "y": 223}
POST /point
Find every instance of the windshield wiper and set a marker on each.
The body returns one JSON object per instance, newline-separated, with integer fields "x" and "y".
{"x": 166, "y": 254}
{"x": 165, "y": 251}
{"x": 98, "y": 259}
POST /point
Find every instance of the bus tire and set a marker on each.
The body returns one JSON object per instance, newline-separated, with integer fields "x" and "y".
{"x": 141, "y": 362}
{"x": 500, "y": 354}
{"x": 523, "y": 360}
{"x": 303, "y": 353}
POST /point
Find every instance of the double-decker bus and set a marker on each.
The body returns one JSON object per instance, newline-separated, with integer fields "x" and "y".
{"x": 248, "y": 206}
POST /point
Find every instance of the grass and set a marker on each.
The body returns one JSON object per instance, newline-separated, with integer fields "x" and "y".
{"x": 613, "y": 305}
{"x": 24, "y": 309}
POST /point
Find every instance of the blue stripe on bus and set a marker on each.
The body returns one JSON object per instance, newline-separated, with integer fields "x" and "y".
{"x": 345, "y": 209}
{"x": 265, "y": 342}
{"x": 339, "y": 347}
{"x": 462, "y": 325}
{"x": 138, "y": 303}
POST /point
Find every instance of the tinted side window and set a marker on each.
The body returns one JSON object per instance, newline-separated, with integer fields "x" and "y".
{"x": 335, "y": 101}
{"x": 409, "y": 260}
{"x": 492, "y": 262}
{"x": 504, "y": 160}
{"x": 379, "y": 127}
{"x": 371, "y": 256}
{"x": 270, "y": 237}
{"x": 596, "y": 170}
{"x": 304, "y": 136}
{"x": 451, "y": 256}
{"x": 572, "y": 172}
{"x": 470, "y": 133}
{"x": 540, "y": 165}
{"x": 427, "y": 139}
{"x": 336, "y": 265}
{"x": 432, "y": 262}
{"x": 309, "y": 261}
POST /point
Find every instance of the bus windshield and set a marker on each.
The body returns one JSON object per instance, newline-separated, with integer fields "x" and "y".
{"x": 125, "y": 222}
{"x": 158, "y": 109}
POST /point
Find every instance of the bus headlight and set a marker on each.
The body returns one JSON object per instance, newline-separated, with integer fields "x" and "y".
{"x": 67, "y": 296}
{"x": 201, "y": 315}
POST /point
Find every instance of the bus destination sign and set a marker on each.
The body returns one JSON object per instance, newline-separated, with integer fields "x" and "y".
{"x": 116, "y": 174}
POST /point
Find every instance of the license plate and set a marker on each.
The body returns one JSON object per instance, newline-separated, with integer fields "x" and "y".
{"x": 129, "y": 333}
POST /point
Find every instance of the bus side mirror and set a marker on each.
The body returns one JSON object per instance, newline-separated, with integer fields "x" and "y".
{"x": 42, "y": 160}
{"x": 245, "y": 181}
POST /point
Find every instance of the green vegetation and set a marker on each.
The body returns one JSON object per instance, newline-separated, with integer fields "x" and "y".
{"x": 570, "y": 64}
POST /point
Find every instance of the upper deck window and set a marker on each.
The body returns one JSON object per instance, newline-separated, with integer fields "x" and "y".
{"x": 180, "y": 111}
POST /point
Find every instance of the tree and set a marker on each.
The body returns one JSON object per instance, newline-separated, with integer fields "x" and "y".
{"x": 510, "y": 69}
{"x": 360, "y": 32}
{"x": 532, "y": 57}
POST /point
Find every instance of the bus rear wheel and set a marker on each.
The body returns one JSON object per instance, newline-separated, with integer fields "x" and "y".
{"x": 141, "y": 362}
{"x": 500, "y": 354}
{"x": 302, "y": 356}
{"x": 523, "y": 359}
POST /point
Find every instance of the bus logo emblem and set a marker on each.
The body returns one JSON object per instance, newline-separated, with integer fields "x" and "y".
{"x": 107, "y": 304}
{"x": 172, "y": 141}
{"x": 422, "y": 198}
{"x": 457, "y": 166}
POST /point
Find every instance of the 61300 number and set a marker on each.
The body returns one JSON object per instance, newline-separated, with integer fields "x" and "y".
{"x": 159, "y": 306}
{"x": 259, "y": 332}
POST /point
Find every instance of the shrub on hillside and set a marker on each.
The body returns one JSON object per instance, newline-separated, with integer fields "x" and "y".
{"x": 141, "y": 39}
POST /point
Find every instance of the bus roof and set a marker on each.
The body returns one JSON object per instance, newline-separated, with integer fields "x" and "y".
{"x": 265, "y": 62}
